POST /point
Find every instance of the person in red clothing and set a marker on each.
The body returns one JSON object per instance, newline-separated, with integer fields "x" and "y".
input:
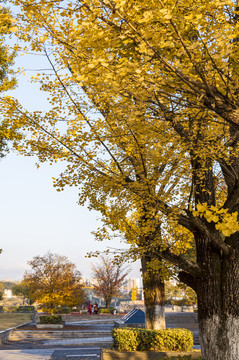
{"x": 90, "y": 308}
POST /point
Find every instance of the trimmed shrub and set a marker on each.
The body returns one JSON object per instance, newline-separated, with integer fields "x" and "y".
{"x": 104, "y": 310}
{"x": 50, "y": 319}
{"x": 64, "y": 310}
{"x": 125, "y": 339}
{"x": 131, "y": 339}
{"x": 18, "y": 308}
{"x": 25, "y": 308}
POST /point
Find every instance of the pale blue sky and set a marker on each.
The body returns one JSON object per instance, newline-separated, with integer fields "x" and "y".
{"x": 34, "y": 217}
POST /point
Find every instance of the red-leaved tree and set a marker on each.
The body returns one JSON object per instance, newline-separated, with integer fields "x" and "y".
{"x": 108, "y": 278}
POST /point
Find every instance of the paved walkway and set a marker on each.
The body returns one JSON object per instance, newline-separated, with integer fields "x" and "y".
{"x": 52, "y": 354}
{"x": 99, "y": 340}
{"x": 26, "y": 354}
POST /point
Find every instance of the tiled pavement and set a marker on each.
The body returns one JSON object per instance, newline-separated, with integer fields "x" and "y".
{"x": 26, "y": 354}
{"x": 67, "y": 353}
{"x": 84, "y": 348}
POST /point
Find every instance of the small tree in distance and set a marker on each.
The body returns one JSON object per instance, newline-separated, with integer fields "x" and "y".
{"x": 54, "y": 281}
{"x": 1, "y": 292}
{"x": 21, "y": 290}
{"x": 180, "y": 294}
{"x": 109, "y": 278}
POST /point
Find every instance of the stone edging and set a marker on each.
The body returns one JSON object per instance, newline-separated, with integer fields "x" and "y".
{"x": 5, "y": 334}
{"x": 107, "y": 354}
{"x": 50, "y": 326}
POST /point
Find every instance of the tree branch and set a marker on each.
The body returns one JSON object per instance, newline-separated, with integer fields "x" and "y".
{"x": 233, "y": 199}
{"x": 216, "y": 240}
{"x": 186, "y": 265}
{"x": 188, "y": 279}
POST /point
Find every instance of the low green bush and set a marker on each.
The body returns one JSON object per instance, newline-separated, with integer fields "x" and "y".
{"x": 132, "y": 339}
{"x": 18, "y": 308}
{"x": 64, "y": 310}
{"x": 25, "y": 308}
{"x": 50, "y": 319}
{"x": 125, "y": 339}
{"x": 104, "y": 310}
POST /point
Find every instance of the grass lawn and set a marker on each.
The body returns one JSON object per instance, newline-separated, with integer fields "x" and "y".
{"x": 8, "y": 320}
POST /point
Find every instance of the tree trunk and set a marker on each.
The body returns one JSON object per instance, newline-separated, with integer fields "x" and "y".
{"x": 218, "y": 301}
{"x": 154, "y": 297}
{"x": 107, "y": 302}
{"x": 219, "y": 338}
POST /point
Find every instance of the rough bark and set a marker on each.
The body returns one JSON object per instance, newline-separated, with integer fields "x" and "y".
{"x": 154, "y": 297}
{"x": 218, "y": 300}
{"x": 219, "y": 338}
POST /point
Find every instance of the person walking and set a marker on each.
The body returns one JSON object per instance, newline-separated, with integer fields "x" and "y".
{"x": 90, "y": 308}
{"x": 95, "y": 308}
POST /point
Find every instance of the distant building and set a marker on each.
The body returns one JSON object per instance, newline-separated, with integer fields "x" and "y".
{"x": 89, "y": 282}
{"x": 7, "y": 294}
{"x": 129, "y": 284}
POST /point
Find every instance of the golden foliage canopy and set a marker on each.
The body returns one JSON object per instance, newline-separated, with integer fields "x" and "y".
{"x": 7, "y": 79}
{"x": 54, "y": 281}
{"x": 144, "y": 101}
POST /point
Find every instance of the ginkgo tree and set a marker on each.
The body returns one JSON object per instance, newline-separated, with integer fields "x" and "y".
{"x": 139, "y": 88}
{"x": 129, "y": 215}
{"x": 7, "y": 79}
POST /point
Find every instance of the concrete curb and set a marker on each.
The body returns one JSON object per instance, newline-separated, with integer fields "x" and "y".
{"x": 90, "y": 321}
{"x": 5, "y": 334}
{"x": 44, "y": 335}
{"x": 147, "y": 355}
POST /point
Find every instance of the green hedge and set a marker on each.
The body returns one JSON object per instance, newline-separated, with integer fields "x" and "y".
{"x": 64, "y": 310}
{"x": 18, "y": 308}
{"x": 131, "y": 339}
{"x": 50, "y": 319}
{"x": 104, "y": 310}
{"x": 25, "y": 308}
